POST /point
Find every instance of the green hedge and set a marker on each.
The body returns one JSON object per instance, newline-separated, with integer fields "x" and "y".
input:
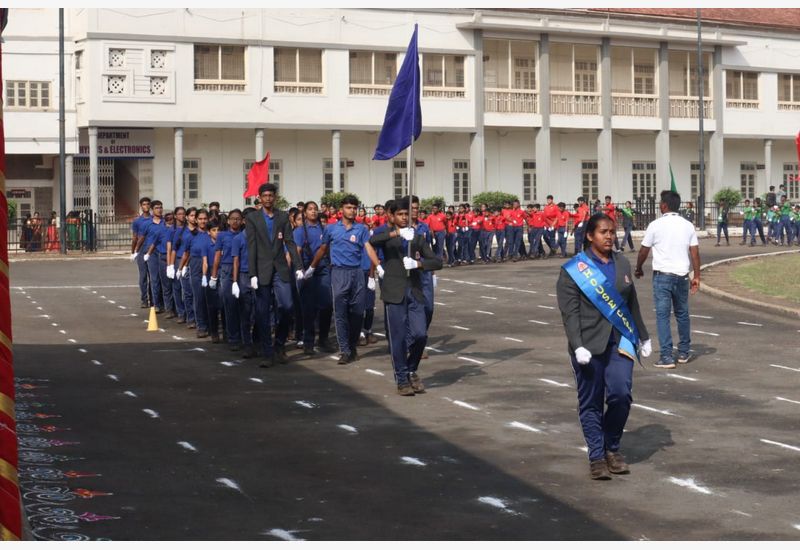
{"x": 336, "y": 199}
{"x": 494, "y": 199}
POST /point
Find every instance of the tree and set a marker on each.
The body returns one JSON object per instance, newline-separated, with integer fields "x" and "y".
{"x": 12, "y": 210}
{"x": 427, "y": 204}
{"x": 494, "y": 199}
{"x": 731, "y": 196}
{"x": 335, "y": 199}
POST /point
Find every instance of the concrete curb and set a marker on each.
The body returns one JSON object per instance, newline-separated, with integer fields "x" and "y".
{"x": 793, "y": 312}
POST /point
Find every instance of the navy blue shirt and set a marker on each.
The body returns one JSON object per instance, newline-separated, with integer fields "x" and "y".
{"x": 609, "y": 269}
{"x": 239, "y": 250}
{"x": 381, "y": 229}
{"x": 162, "y": 238}
{"x": 346, "y": 245}
{"x": 211, "y": 251}
{"x": 199, "y": 245}
{"x": 270, "y": 222}
{"x": 152, "y": 232}
{"x": 315, "y": 234}
{"x": 138, "y": 225}
{"x": 224, "y": 240}
{"x": 424, "y": 229}
{"x": 181, "y": 241}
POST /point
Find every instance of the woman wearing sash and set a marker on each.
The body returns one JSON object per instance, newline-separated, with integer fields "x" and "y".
{"x": 604, "y": 328}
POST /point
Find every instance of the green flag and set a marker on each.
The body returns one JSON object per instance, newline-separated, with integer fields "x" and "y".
{"x": 672, "y": 186}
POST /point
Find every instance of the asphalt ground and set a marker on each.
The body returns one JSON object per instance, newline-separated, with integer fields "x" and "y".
{"x": 159, "y": 435}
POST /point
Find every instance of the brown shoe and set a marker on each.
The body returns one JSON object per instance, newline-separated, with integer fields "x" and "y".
{"x": 416, "y": 383}
{"x": 616, "y": 463}
{"x": 405, "y": 390}
{"x": 371, "y": 339}
{"x": 599, "y": 470}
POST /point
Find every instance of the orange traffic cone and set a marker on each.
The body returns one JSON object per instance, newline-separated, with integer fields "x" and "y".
{"x": 152, "y": 324}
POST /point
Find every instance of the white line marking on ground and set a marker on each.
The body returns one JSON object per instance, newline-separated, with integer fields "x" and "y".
{"x": 283, "y": 534}
{"x": 151, "y": 413}
{"x": 161, "y": 330}
{"x": 439, "y": 303}
{"x": 34, "y": 302}
{"x": 458, "y": 327}
{"x": 176, "y": 337}
{"x": 682, "y": 377}
{"x": 113, "y": 377}
{"x": 382, "y": 335}
{"x": 554, "y": 383}
{"x": 229, "y": 483}
{"x": 708, "y": 333}
{"x": 797, "y": 525}
{"x": 749, "y": 324}
{"x": 102, "y": 297}
{"x": 188, "y": 446}
{"x": 437, "y": 350}
{"x": 112, "y": 302}
{"x": 484, "y": 312}
{"x": 553, "y": 295}
{"x": 227, "y": 363}
{"x": 447, "y": 291}
{"x": 134, "y": 315}
{"x": 497, "y": 503}
{"x": 82, "y": 350}
{"x": 527, "y": 291}
{"x": 782, "y": 367}
{"x": 54, "y": 324}
{"x": 376, "y": 373}
{"x": 505, "y": 288}
{"x": 130, "y": 394}
{"x": 788, "y": 400}
{"x": 779, "y": 444}
{"x": 40, "y": 308}
{"x": 466, "y": 405}
{"x": 82, "y": 287}
{"x": 306, "y": 404}
{"x": 122, "y": 307}
{"x": 96, "y": 362}
{"x": 689, "y": 483}
{"x": 334, "y": 357}
{"x": 745, "y": 514}
{"x": 259, "y": 380}
{"x": 546, "y": 307}
{"x": 72, "y": 341}
{"x": 489, "y": 297}
{"x": 701, "y": 316}
{"x": 538, "y": 322}
{"x": 521, "y": 426}
{"x": 62, "y": 331}
{"x": 45, "y": 316}
{"x": 347, "y": 428}
{"x": 651, "y": 409}
{"x": 411, "y": 461}
{"x": 512, "y": 339}
{"x": 470, "y": 360}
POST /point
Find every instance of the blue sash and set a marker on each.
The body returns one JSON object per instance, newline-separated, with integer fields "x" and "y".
{"x": 605, "y": 297}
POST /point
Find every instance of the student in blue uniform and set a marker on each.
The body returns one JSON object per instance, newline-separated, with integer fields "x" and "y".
{"x": 182, "y": 243}
{"x": 151, "y": 234}
{"x": 345, "y": 239}
{"x": 427, "y": 276}
{"x": 366, "y": 337}
{"x": 222, "y": 275}
{"x": 198, "y": 247}
{"x": 179, "y": 216}
{"x": 241, "y": 289}
{"x": 136, "y": 256}
{"x": 213, "y": 302}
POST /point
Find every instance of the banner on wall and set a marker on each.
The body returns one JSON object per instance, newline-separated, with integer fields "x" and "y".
{"x": 119, "y": 143}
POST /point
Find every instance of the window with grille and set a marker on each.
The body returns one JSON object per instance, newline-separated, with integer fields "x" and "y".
{"x": 789, "y": 88}
{"x": 461, "y": 181}
{"x": 298, "y": 70}
{"x": 694, "y": 178}
{"x": 643, "y": 179}
{"x": 747, "y": 177}
{"x": 443, "y": 76}
{"x": 275, "y": 176}
{"x": 372, "y": 73}
{"x": 589, "y": 180}
{"x": 585, "y": 76}
{"x": 528, "y": 180}
{"x": 27, "y": 94}
{"x": 741, "y": 85}
{"x": 219, "y": 68}
{"x": 191, "y": 182}
{"x": 644, "y": 79}
{"x": 400, "y": 178}
{"x": 327, "y": 176}
{"x": 791, "y": 179}
{"x": 683, "y": 74}
{"x": 509, "y": 64}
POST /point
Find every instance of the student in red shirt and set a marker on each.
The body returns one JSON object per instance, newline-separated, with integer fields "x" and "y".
{"x": 610, "y": 210}
{"x": 536, "y": 225}
{"x": 450, "y": 238}
{"x": 436, "y": 221}
{"x": 514, "y": 245}
{"x": 378, "y": 219}
{"x": 550, "y": 217}
{"x": 463, "y": 222}
{"x": 362, "y": 217}
{"x": 562, "y": 220}
{"x": 474, "y": 232}
{"x": 500, "y": 227}
{"x": 486, "y": 233}
{"x": 581, "y": 218}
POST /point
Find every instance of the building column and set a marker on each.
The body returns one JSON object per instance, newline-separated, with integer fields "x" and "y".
{"x": 716, "y": 165}
{"x": 767, "y": 167}
{"x": 477, "y": 143}
{"x": 662, "y": 138}
{"x": 336, "y": 156}
{"x": 94, "y": 195}
{"x": 259, "y": 144}
{"x": 69, "y": 183}
{"x": 605, "y": 166}
{"x": 177, "y": 181}
{"x": 543, "y": 176}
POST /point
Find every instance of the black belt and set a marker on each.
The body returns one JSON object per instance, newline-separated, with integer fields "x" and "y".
{"x": 669, "y": 274}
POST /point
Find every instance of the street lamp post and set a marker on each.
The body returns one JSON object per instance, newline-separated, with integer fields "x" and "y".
{"x": 701, "y": 115}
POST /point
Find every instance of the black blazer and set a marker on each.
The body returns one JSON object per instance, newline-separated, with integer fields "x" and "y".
{"x": 395, "y": 280}
{"x": 265, "y": 255}
{"x": 584, "y": 324}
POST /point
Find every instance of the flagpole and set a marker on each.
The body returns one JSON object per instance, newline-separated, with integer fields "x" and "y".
{"x": 410, "y": 162}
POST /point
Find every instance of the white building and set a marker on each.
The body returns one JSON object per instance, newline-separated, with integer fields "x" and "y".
{"x": 175, "y": 103}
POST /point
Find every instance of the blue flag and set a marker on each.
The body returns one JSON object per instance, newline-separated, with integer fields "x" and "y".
{"x": 403, "y": 114}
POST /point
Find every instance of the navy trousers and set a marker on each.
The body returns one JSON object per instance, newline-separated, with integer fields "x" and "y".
{"x": 485, "y": 246}
{"x": 463, "y": 245}
{"x": 188, "y": 296}
{"x": 349, "y": 296}
{"x": 474, "y": 237}
{"x": 144, "y": 279}
{"x": 166, "y": 284}
{"x": 316, "y": 299}
{"x": 369, "y": 305}
{"x": 451, "y": 248}
{"x": 580, "y": 234}
{"x": 177, "y": 294}
{"x": 282, "y": 292}
{"x": 438, "y": 244}
{"x": 198, "y": 293}
{"x": 514, "y": 243}
{"x": 245, "y": 308}
{"x": 407, "y": 335}
{"x": 157, "y": 299}
{"x": 233, "y": 329}
{"x": 607, "y": 377}
{"x": 213, "y": 308}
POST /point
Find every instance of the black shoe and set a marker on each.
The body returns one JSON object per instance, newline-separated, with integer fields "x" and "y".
{"x": 325, "y": 346}
{"x": 202, "y": 334}
{"x": 171, "y": 315}
{"x": 215, "y": 339}
{"x": 144, "y": 305}
{"x": 354, "y": 356}
{"x": 249, "y": 353}
{"x": 309, "y": 350}
{"x": 160, "y": 310}
{"x": 280, "y": 356}
{"x": 235, "y": 347}
{"x": 181, "y": 321}
{"x": 267, "y": 362}
{"x": 344, "y": 358}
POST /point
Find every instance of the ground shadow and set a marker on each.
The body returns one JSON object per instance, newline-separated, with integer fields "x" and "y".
{"x": 645, "y": 441}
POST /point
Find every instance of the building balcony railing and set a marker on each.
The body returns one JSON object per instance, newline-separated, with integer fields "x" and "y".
{"x": 574, "y": 103}
{"x": 444, "y": 92}
{"x": 788, "y": 106}
{"x": 689, "y": 107}
{"x": 497, "y": 100}
{"x": 220, "y": 85}
{"x": 298, "y": 88}
{"x": 370, "y": 89}
{"x": 634, "y": 105}
{"x": 750, "y": 104}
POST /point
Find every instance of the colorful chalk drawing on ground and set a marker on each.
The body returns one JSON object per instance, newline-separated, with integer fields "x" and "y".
{"x": 45, "y": 477}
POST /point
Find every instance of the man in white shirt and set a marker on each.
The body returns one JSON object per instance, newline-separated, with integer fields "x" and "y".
{"x": 676, "y": 253}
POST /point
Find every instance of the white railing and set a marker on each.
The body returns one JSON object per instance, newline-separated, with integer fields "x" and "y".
{"x": 298, "y": 88}
{"x": 574, "y": 103}
{"x": 370, "y": 89}
{"x": 497, "y": 100}
{"x": 634, "y": 105}
{"x": 742, "y": 104}
{"x": 788, "y": 106}
{"x": 220, "y": 85}
{"x": 442, "y": 92}
{"x": 688, "y": 107}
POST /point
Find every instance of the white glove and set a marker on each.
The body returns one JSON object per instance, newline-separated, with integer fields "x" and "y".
{"x": 380, "y": 271}
{"x": 254, "y": 283}
{"x": 170, "y": 272}
{"x": 407, "y": 233}
{"x": 646, "y": 349}
{"x": 435, "y": 281}
{"x": 204, "y": 281}
{"x": 146, "y": 257}
{"x": 580, "y": 224}
{"x": 213, "y": 283}
{"x": 184, "y": 271}
{"x": 133, "y": 256}
{"x": 309, "y": 272}
{"x": 299, "y": 274}
{"x": 583, "y": 355}
{"x": 235, "y": 290}
{"x": 410, "y": 263}
{"x": 371, "y": 284}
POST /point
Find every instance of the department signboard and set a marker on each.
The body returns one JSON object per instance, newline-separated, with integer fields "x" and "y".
{"x": 119, "y": 143}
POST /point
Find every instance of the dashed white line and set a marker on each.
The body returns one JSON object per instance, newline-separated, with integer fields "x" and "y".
{"x": 129, "y": 394}
{"x": 690, "y": 483}
{"x": 96, "y": 362}
{"x": 113, "y": 377}
{"x": 706, "y": 333}
{"x": 439, "y": 303}
{"x": 54, "y": 324}
{"x": 188, "y": 446}
{"x": 690, "y": 379}
{"x": 749, "y": 324}
{"x": 489, "y": 297}
{"x": 283, "y": 534}
{"x": 484, "y": 312}
{"x": 538, "y": 322}
{"x": 347, "y": 428}
{"x": 512, "y": 339}
{"x": 72, "y": 341}
{"x": 787, "y": 368}
{"x": 306, "y": 404}
{"x": 176, "y": 337}
{"x": 470, "y": 360}
{"x": 651, "y": 409}
{"x": 437, "y": 350}
{"x": 466, "y": 405}
{"x": 527, "y": 291}
{"x": 82, "y": 350}
{"x": 458, "y": 327}
{"x": 521, "y": 426}
{"x": 227, "y": 363}
{"x": 258, "y": 380}
{"x": 447, "y": 291}
{"x": 376, "y": 373}
{"x": 788, "y": 400}
{"x": 229, "y": 483}
{"x": 701, "y": 316}
{"x": 112, "y": 302}
{"x": 553, "y": 295}
{"x": 151, "y": 413}
{"x": 545, "y": 307}
{"x": 62, "y": 331}
{"x": 779, "y": 444}
{"x": 122, "y": 307}
{"x": 411, "y": 461}
{"x": 554, "y": 383}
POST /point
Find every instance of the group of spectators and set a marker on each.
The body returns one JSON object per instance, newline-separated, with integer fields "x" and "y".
{"x": 39, "y": 235}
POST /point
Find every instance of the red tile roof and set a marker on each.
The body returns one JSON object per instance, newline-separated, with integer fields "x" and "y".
{"x": 782, "y": 18}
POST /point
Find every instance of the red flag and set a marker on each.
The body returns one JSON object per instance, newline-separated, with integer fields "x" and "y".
{"x": 257, "y": 176}
{"x": 797, "y": 142}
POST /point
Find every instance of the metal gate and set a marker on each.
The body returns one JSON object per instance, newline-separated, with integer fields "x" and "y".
{"x": 105, "y": 186}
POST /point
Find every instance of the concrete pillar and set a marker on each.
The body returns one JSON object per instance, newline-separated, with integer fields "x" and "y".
{"x": 716, "y": 165}
{"x": 767, "y": 167}
{"x": 543, "y": 175}
{"x": 259, "y": 144}
{"x": 605, "y": 165}
{"x": 477, "y": 143}
{"x": 69, "y": 183}
{"x": 662, "y": 138}
{"x": 336, "y": 156}
{"x": 177, "y": 182}
{"x": 94, "y": 194}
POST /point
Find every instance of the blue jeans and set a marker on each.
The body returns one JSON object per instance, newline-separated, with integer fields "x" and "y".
{"x": 230, "y": 304}
{"x": 722, "y": 228}
{"x": 474, "y": 237}
{"x": 672, "y": 291}
{"x": 500, "y": 235}
{"x": 627, "y": 237}
{"x": 144, "y": 280}
{"x": 349, "y": 298}
{"x": 407, "y": 335}
{"x": 513, "y": 241}
{"x": 451, "y": 248}
{"x": 438, "y": 243}
{"x": 757, "y": 226}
